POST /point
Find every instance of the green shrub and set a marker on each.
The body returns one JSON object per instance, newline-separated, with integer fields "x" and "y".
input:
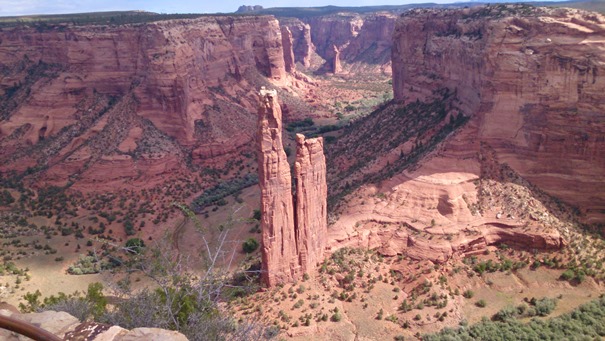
{"x": 134, "y": 245}
{"x": 584, "y": 322}
{"x": 6, "y": 198}
{"x": 336, "y": 317}
{"x": 250, "y": 245}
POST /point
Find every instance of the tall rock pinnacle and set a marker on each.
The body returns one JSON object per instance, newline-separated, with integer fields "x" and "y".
{"x": 279, "y": 252}
{"x": 311, "y": 201}
{"x": 286, "y": 40}
{"x": 292, "y": 245}
{"x": 336, "y": 66}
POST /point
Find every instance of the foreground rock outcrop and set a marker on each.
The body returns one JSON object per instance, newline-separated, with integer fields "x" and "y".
{"x": 67, "y": 327}
{"x": 292, "y": 244}
{"x": 532, "y": 80}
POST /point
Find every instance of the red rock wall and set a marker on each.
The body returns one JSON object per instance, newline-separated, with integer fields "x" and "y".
{"x": 301, "y": 40}
{"x": 532, "y": 81}
{"x": 364, "y": 41}
{"x": 193, "y": 83}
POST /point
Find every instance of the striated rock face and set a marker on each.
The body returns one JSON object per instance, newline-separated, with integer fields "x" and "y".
{"x": 301, "y": 40}
{"x": 532, "y": 80}
{"x": 286, "y": 38}
{"x": 338, "y": 29}
{"x": 372, "y": 45}
{"x": 311, "y": 201}
{"x": 364, "y": 41}
{"x": 279, "y": 251}
{"x": 293, "y": 244}
{"x": 147, "y": 98}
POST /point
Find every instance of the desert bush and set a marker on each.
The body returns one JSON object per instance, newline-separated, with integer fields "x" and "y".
{"x": 85, "y": 265}
{"x": 250, "y": 245}
{"x": 6, "y": 198}
{"x": 468, "y": 294}
{"x": 481, "y": 304}
{"x": 134, "y": 245}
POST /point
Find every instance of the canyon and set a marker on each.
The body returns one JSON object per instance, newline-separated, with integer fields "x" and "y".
{"x": 491, "y": 150}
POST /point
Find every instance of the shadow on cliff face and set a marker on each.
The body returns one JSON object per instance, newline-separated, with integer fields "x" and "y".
{"x": 388, "y": 141}
{"x": 422, "y": 166}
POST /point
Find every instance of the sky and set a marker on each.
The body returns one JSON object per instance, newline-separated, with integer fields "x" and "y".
{"x": 26, "y": 7}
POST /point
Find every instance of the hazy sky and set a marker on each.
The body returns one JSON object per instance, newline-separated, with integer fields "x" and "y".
{"x": 22, "y": 7}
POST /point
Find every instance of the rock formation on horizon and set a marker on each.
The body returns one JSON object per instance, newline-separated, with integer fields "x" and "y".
{"x": 291, "y": 244}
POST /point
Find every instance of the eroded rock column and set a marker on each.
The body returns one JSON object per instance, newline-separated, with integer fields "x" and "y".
{"x": 311, "y": 201}
{"x": 336, "y": 66}
{"x": 279, "y": 251}
{"x": 286, "y": 38}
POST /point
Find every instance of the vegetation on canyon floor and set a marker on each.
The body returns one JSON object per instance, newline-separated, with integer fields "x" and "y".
{"x": 584, "y": 323}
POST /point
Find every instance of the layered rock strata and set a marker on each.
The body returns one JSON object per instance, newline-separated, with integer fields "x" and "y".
{"x": 293, "y": 243}
{"x": 363, "y": 41}
{"x": 531, "y": 78}
{"x": 301, "y": 40}
{"x": 82, "y": 101}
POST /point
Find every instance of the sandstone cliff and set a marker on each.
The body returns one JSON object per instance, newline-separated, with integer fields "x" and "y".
{"x": 80, "y": 101}
{"x": 531, "y": 78}
{"x": 301, "y": 40}
{"x": 286, "y": 38}
{"x": 363, "y": 41}
{"x": 498, "y": 121}
{"x": 293, "y": 243}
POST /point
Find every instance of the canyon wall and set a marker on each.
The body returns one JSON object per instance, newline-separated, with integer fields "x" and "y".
{"x": 532, "y": 80}
{"x": 293, "y": 242}
{"x": 79, "y": 101}
{"x": 362, "y": 41}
